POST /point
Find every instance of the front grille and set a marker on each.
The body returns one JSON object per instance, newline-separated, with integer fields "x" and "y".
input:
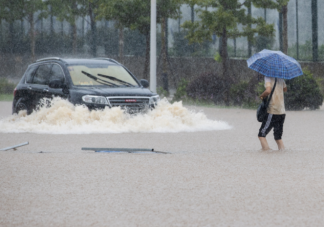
{"x": 129, "y": 102}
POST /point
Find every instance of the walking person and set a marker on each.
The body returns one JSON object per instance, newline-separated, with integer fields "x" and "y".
{"x": 276, "y": 67}
{"x": 275, "y": 113}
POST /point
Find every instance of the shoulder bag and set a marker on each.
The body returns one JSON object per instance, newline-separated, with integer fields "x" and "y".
{"x": 262, "y": 109}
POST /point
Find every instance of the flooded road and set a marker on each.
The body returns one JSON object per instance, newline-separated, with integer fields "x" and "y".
{"x": 211, "y": 178}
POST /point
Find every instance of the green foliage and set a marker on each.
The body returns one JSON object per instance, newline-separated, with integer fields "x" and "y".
{"x": 68, "y": 10}
{"x": 135, "y": 14}
{"x": 182, "y": 48}
{"x": 134, "y": 43}
{"x": 6, "y": 97}
{"x": 263, "y": 42}
{"x": 162, "y": 93}
{"x": 303, "y": 92}
{"x": 270, "y": 4}
{"x": 210, "y": 86}
{"x": 305, "y": 51}
{"x": 13, "y": 39}
{"x": 181, "y": 92}
{"x": 228, "y": 15}
{"x": 217, "y": 57}
{"x": 56, "y": 43}
{"x": 106, "y": 37}
{"x": 244, "y": 94}
{"x": 6, "y": 87}
{"x": 226, "y": 19}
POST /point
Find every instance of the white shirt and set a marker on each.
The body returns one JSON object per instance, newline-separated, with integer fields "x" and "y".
{"x": 277, "y": 103}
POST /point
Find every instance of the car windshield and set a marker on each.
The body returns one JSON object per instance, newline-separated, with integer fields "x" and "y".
{"x": 100, "y": 74}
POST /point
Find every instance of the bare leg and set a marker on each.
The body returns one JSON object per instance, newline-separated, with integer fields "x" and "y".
{"x": 264, "y": 143}
{"x": 280, "y": 145}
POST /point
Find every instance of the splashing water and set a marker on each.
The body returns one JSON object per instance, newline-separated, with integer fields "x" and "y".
{"x": 65, "y": 118}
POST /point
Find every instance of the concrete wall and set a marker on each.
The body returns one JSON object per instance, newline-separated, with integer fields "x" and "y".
{"x": 13, "y": 68}
{"x": 189, "y": 68}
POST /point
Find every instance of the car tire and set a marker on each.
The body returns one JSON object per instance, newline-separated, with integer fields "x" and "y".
{"x": 21, "y": 106}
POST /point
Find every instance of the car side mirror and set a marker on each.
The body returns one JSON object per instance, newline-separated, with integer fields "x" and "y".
{"x": 56, "y": 84}
{"x": 145, "y": 83}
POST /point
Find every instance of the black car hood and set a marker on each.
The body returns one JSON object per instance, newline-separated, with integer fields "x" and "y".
{"x": 118, "y": 91}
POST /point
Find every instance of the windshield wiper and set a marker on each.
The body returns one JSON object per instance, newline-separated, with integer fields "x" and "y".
{"x": 100, "y": 81}
{"x": 118, "y": 80}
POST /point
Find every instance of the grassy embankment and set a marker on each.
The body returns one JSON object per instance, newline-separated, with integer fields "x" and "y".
{"x": 6, "y": 89}
{"x": 6, "y": 97}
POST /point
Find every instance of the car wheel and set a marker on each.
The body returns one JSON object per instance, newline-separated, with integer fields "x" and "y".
{"x": 21, "y": 106}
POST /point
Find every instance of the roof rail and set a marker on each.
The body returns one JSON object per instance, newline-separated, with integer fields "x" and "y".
{"x": 109, "y": 59}
{"x": 49, "y": 58}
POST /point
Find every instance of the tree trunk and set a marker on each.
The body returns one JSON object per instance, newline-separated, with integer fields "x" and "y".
{"x": 225, "y": 68}
{"x": 62, "y": 28}
{"x": 285, "y": 29}
{"x": 250, "y": 26}
{"x": 52, "y": 22}
{"x": 74, "y": 29}
{"x": 121, "y": 45}
{"x": 192, "y": 7}
{"x": 74, "y": 38}
{"x": 147, "y": 57}
{"x": 1, "y": 35}
{"x": 32, "y": 35}
{"x": 224, "y": 53}
{"x": 11, "y": 37}
{"x": 315, "y": 30}
{"x": 93, "y": 32}
{"x": 82, "y": 31}
{"x": 164, "y": 55}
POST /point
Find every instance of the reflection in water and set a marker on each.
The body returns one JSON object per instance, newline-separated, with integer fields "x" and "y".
{"x": 65, "y": 118}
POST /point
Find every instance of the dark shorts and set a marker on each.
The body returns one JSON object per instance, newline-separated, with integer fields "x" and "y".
{"x": 272, "y": 121}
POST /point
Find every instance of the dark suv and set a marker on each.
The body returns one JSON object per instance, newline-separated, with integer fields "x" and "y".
{"x": 96, "y": 83}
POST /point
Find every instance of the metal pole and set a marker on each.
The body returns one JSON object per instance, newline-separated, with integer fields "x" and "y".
{"x": 297, "y": 30}
{"x": 265, "y": 15}
{"x": 280, "y": 31}
{"x": 249, "y": 42}
{"x": 314, "y": 30}
{"x": 234, "y": 47}
{"x": 14, "y": 147}
{"x": 153, "y": 47}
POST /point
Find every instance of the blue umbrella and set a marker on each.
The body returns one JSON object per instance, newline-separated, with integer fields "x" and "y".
{"x": 275, "y": 64}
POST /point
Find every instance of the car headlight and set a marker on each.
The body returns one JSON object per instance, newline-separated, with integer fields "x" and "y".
{"x": 154, "y": 99}
{"x": 94, "y": 99}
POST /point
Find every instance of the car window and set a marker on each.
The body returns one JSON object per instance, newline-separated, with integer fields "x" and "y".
{"x": 42, "y": 74}
{"x": 57, "y": 73}
{"x": 30, "y": 73}
{"x": 79, "y": 77}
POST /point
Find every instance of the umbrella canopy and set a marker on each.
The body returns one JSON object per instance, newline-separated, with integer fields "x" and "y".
{"x": 275, "y": 64}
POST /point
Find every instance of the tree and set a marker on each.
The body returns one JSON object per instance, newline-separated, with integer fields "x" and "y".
{"x": 17, "y": 10}
{"x": 135, "y": 14}
{"x": 69, "y": 10}
{"x": 30, "y": 7}
{"x": 11, "y": 11}
{"x": 93, "y": 7}
{"x": 223, "y": 20}
{"x": 281, "y": 6}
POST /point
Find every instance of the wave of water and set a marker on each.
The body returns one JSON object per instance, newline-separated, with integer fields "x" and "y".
{"x": 65, "y": 118}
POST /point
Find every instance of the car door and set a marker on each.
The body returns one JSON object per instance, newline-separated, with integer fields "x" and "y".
{"x": 57, "y": 74}
{"x": 40, "y": 82}
{"x": 26, "y": 93}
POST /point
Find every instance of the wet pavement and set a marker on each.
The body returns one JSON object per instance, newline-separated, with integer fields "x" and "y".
{"x": 211, "y": 178}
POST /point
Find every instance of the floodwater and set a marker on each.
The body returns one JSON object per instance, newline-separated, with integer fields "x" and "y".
{"x": 65, "y": 118}
{"x": 212, "y": 177}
